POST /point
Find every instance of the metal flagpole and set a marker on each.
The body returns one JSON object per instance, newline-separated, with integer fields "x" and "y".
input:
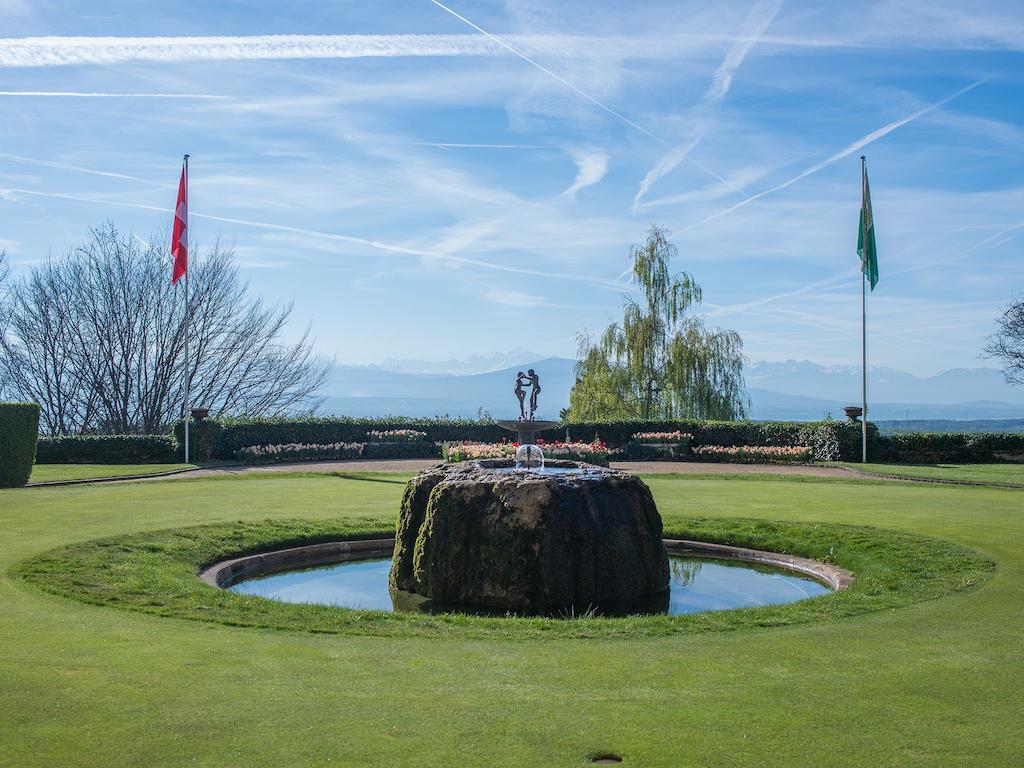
{"x": 188, "y": 384}
{"x": 863, "y": 324}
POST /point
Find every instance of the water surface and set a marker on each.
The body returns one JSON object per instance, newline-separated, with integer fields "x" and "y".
{"x": 697, "y": 584}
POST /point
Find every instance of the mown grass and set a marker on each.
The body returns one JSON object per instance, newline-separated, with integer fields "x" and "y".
{"x": 930, "y": 683}
{"x": 990, "y": 474}
{"x": 50, "y": 473}
{"x": 156, "y": 571}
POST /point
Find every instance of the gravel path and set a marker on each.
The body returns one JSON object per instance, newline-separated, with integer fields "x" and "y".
{"x": 709, "y": 468}
{"x": 415, "y": 465}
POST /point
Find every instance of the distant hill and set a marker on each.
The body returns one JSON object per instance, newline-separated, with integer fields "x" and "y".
{"x": 799, "y": 391}
{"x": 946, "y": 425}
{"x": 374, "y": 392}
{"x": 888, "y": 385}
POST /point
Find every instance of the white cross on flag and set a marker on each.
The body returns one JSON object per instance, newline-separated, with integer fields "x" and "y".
{"x": 179, "y": 235}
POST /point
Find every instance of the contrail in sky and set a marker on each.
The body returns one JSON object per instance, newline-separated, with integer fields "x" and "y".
{"x": 88, "y": 95}
{"x": 70, "y": 167}
{"x": 375, "y": 244}
{"x": 754, "y": 28}
{"x": 59, "y": 51}
{"x": 575, "y": 89}
{"x": 845, "y": 152}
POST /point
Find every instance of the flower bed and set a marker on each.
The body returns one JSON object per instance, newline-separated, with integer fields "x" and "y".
{"x": 270, "y": 454}
{"x": 455, "y": 452}
{"x": 662, "y": 437}
{"x": 754, "y": 454}
{"x": 396, "y": 436}
{"x": 592, "y": 453}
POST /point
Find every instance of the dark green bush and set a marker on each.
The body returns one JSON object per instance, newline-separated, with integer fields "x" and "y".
{"x": 203, "y": 438}
{"x": 107, "y": 449}
{"x": 656, "y": 452}
{"x": 272, "y": 454}
{"x": 953, "y": 447}
{"x": 420, "y": 449}
{"x": 19, "y": 430}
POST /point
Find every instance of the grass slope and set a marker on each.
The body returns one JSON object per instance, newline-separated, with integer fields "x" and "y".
{"x": 995, "y": 474}
{"x": 49, "y": 473}
{"x": 933, "y": 683}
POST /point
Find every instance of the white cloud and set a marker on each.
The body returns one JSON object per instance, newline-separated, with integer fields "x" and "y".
{"x": 591, "y": 167}
{"x": 514, "y": 298}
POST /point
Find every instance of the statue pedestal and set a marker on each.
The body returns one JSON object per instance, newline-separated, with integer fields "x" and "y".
{"x": 526, "y": 431}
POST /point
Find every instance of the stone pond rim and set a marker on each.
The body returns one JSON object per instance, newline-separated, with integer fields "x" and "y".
{"x": 483, "y": 534}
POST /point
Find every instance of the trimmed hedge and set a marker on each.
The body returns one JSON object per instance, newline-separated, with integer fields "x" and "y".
{"x": 212, "y": 439}
{"x": 272, "y": 454}
{"x": 221, "y": 439}
{"x": 19, "y": 430}
{"x": 269, "y": 454}
{"x": 954, "y": 447}
{"x": 107, "y": 449}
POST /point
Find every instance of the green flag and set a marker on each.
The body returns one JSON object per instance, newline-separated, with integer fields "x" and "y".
{"x": 866, "y": 235}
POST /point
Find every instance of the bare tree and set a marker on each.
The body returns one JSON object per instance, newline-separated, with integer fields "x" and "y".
{"x": 1007, "y": 344}
{"x": 97, "y": 338}
{"x": 4, "y": 272}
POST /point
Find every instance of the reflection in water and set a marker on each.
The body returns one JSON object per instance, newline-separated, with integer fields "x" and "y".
{"x": 684, "y": 570}
{"x": 697, "y": 584}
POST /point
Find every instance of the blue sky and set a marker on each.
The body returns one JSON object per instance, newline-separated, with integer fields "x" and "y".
{"x": 429, "y": 186}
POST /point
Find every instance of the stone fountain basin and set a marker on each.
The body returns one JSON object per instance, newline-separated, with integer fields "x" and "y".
{"x": 485, "y": 534}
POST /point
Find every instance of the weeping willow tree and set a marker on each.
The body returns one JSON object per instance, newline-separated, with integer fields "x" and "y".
{"x": 661, "y": 362}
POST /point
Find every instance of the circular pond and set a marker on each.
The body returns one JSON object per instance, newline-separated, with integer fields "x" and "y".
{"x": 696, "y": 584}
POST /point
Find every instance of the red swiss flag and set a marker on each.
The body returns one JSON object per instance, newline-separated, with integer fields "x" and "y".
{"x": 179, "y": 236}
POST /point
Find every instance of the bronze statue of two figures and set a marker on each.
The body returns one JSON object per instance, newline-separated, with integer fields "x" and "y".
{"x": 523, "y": 380}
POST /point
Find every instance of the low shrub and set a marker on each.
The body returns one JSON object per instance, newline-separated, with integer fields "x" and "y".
{"x": 655, "y": 452}
{"x": 823, "y": 440}
{"x": 271, "y": 454}
{"x": 419, "y": 449}
{"x": 107, "y": 449}
{"x": 754, "y": 454}
{"x": 19, "y": 431}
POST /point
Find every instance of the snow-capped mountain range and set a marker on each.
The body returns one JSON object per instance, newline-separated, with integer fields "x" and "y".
{"x": 778, "y": 390}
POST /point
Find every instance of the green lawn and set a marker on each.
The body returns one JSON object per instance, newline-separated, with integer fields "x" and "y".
{"x": 49, "y": 473}
{"x": 933, "y": 683}
{"x": 1000, "y": 474}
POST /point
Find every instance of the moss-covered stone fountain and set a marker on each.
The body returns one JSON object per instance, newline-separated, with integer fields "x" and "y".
{"x": 565, "y": 537}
